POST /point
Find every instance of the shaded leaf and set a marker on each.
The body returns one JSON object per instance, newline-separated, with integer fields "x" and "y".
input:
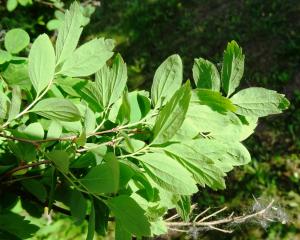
{"x": 110, "y": 82}
{"x": 233, "y": 67}
{"x": 17, "y": 225}
{"x": 78, "y": 206}
{"x": 130, "y": 215}
{"x": 91, "y": 226}
{"x": 171, "y": 117}
{"x": 206, "y": 75}
{"x": 103, "y": 178}
{"x": 61, "y": 160}
{"x": 212, "y": 99}
{"x": 36, "y": 188}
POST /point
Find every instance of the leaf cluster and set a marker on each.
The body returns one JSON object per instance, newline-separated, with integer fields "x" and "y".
{"x": 74, "y": 138}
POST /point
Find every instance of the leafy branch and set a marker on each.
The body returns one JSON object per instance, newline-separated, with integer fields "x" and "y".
{"x": 127, "y": 155}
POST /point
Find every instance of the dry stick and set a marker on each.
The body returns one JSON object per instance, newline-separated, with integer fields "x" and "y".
{"x": 212, "y": 224}
{"x": 200, "y": 214}
{"x": 213, "y": 214}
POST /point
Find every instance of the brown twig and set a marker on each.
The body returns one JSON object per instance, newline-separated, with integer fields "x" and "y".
{"x": 9, "y": 173}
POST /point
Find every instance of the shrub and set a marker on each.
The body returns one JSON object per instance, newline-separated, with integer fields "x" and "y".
{"x": 75, "y": 140}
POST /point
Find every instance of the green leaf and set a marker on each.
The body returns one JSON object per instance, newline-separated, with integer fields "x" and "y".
{"x": 69, "y": 33}
{"x": 233, "y": 67}
{"x": 199, "y": 157}
{"x": 15, "y": 104}
{"x": 11, "y": 5}
{"x": 248, "y": 127}
{"x": 259, "y": 102}
{"x": 101, "y": 218}
{"x": 16, "y": 40}
{"x": 206, "y": 75}
{"x": 4, "y": 56}
{"x": 34, "y": 131}
{"x": 17, "y": 225}
{"x": 91, "y": 226}
{"x": 172, "y": 115}
{"x": 212, "y": 99}
{"x": 103, "y": 178}
{"x": 78, "y": 206}
{"x": 23, "y": 151}
{"x": 110, "y": 82}
{"x": 130, "y": 215}
{"x": 36, "y": 188}
{"x": 168, "y": 173}
{"x": 183, "y": 207}
{"x": 61, "y": 160}
{"x": 41, "y": 63}
{"x": 87, "y": 59}
{"x": 167, "y": 80}
{"x": 236, "y": 155}
{"x": 54, "y": 130}
{"x": 123, "y": 116}
{"x": 4, "y": 100}
{"x": 54, "y": 24}
{"x": 25, "y": 3}
{"x": 139, "y": 107}
{"x": 89, "y": 120}
{"x": 159, "y": 227}
{"x": 57, "y": 109}
{"x": 202, "y": 119}
{"x": 17, "y": 75}
{"x": 121, "y": 233}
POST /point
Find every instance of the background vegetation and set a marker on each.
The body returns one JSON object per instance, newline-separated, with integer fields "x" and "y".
{"x": 148, "y": 31}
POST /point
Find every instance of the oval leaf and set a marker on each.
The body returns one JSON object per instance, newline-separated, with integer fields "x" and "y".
{"x": 167, "y": 79}
{"x": 259, "y": 102}
{"x": 41, "y": 63}
{"x": 16, "y": 40}
{"x": 168, "y": 173}
{"x": 172, "y": 115}
{"x": 103, "y": 178}
{"x": 87, "y": 59}
{"x": 130, "y": 215}
{"x": 206, "y": 75}
{"x": 69, "y": 33}
{"x": 57, "y": 109}
{"x": 233, "y": 67}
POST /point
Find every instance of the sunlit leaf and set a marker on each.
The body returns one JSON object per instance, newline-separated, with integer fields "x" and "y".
{"x": 41, "y": 63}
{"x": 167, "y": 80}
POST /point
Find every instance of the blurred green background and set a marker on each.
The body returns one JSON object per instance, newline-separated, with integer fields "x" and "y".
{"x": 148, "y": 31}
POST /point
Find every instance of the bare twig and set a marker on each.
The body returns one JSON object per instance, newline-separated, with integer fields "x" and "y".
{"x": 214, "y": 223}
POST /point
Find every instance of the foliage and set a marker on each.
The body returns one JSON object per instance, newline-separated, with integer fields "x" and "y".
{"x": 50, "y": 13}
{"x": 89, "y": 147}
